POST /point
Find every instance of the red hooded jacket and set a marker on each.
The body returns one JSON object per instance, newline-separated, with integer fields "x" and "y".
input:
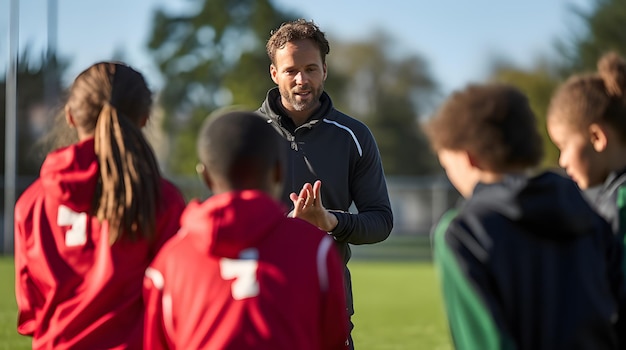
{"x": 241, "y": 275}
{"x": 73, "y": 288}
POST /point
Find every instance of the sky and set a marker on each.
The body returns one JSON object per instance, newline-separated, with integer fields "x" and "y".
{"x": 457, "y": 38}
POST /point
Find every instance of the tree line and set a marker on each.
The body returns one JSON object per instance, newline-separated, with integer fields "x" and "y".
{"x": 213, "y": 56}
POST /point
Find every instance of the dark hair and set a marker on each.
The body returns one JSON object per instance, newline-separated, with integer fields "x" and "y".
{"x": 494, "y": 122}
{"x": 297, "y": 30}
{"x": 588, "y": 98}
{"x": 240, "y": 147}
{"x": 111, "y": 100}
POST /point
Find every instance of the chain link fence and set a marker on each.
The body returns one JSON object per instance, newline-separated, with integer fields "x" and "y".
{"x": 417, "y": 204}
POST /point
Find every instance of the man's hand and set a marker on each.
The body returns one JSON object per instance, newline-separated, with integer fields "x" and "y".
{"x": 308, "y": 206}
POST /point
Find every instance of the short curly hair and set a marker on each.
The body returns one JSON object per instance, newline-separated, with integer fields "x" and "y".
{"x": 588, "y": 98}
{"x": 494, "y": 122}
{"x": 297, "y": 30}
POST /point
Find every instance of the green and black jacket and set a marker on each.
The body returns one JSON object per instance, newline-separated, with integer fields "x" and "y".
{"x": 610, "y": 202}
{"x": 527, "y": 264}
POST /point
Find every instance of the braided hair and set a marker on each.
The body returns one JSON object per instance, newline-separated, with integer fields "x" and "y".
{"x": 112, "y": 101}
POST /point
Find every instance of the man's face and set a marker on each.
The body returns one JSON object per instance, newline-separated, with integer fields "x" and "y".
{"x": 299, "y": 73}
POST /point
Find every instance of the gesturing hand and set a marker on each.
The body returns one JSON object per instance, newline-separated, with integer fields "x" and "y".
{"x": 308, "y": 206}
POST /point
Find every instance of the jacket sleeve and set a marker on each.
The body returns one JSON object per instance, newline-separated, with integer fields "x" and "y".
{"x": 334, "y": 322}
{"x": 26, "y": 323}
{"x": 471, "y": 308}
{"x": 368, "y": 187}
{"x": 616, "y": 260}
{"x": 616, "y": 277}
{"x": 28, "y": 296}
{"x": 154, "y": 333}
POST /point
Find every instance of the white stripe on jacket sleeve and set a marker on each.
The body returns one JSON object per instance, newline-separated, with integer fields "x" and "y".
{"x": 356, "y": 141}
{"x": 322, "y": 268}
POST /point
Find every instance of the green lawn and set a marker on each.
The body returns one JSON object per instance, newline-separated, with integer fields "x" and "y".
{"x": 9, "y": 338}
{"x": 397, "y": 307}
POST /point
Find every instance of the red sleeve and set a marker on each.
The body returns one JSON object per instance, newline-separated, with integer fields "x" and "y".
{"x": 334, "y": 316}
{"x": 27, "y": 295}
{"x": 26, "y": 315}
{"x": 154, "y": 333}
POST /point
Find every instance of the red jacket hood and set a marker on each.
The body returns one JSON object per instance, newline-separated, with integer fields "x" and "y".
{"x": 70, "y": 175}
{"x": 231, "y": 222}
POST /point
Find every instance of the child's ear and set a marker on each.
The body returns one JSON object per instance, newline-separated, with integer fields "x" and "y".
{"x": 204, "y": 175}
{"x": 278, "y": 177}
{"x": 68, "y": 117}
{"x": 472, "y": 160}
{"x": 598, "y": 137}
{"x": 143, "y": 121}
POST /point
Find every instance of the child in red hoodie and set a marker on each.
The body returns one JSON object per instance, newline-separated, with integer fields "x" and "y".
{"x": 240, "y": 274}
{"x": 86, "y": 230}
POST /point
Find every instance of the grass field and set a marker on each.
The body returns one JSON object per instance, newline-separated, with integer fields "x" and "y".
{"x": 9, "y": 339}
{"x": 397, "y": 307}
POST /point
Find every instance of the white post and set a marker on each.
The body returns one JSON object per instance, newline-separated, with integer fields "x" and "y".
{"x": 51, "y": 73}
{"x": 10, "y": 129}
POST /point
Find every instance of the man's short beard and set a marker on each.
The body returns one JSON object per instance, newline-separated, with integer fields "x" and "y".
{"x": 301, "y": 106}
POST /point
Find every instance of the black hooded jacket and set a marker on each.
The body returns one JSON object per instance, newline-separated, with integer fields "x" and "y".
{"x": 526, "y": 263}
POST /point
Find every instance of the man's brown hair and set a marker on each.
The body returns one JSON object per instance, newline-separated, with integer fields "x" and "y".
{"x": 297, "y": 30}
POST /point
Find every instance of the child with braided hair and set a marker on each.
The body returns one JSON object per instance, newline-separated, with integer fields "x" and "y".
{"x": 87, "y": 228}
{"x": 240, "y": 274}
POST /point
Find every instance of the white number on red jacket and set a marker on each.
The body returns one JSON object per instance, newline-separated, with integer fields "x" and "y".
{"x": 243, "y": 271}
{"x": 77, "y": 234}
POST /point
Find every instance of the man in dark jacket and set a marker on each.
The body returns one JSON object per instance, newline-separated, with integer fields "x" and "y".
{"x": 333, "y": 158}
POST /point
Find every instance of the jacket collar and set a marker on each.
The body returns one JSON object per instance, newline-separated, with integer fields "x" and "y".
{"x": 610, "y": 185}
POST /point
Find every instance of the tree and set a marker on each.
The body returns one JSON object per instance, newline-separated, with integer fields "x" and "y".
{"x": 214, "y": 56}
{"x": 35, "y": 108}
{"x": 603, "y": 30}
{"x": 389, "y": 92}
{"x": 538, "y": 83}
{"x": 210, "y": 56}
{"x": 38, "y": 81}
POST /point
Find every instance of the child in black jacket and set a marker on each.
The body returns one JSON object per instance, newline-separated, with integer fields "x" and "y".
{"x": 525, "y": 262}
